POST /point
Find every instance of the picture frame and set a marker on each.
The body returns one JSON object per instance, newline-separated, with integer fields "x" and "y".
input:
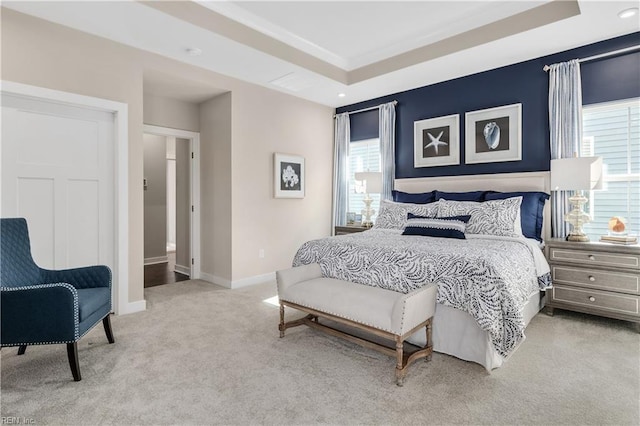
{"x": 436, "y": 141}
{"x": 289, "y": 177}
{"x": 493, "y": 135}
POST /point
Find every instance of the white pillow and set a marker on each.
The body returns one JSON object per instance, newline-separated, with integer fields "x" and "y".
{"x": 495, "y": 217}
{"x": 393, "y": 215}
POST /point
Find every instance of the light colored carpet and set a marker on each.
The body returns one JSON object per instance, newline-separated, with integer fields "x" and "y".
{"x": 202, "y": 354}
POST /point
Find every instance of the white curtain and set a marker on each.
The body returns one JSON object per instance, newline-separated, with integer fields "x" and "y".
{"x": 387, "y": 134}
{"x": 340, "y": 178}
{"x": 565, "y": 125}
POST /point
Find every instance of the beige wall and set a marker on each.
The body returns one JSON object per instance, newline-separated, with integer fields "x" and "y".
{"x": 215, "y": 185}
{"x": 173, "y": 113}
{"x": 42, "y": 54}
{"x": 240, "y": 131}
{"x": 278, "y": 123}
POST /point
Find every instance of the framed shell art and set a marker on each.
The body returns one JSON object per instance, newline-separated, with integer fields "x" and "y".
{"x": 436, "y": 141}
{"x": 493, "y": 135}
{"x": 289, "y": 176}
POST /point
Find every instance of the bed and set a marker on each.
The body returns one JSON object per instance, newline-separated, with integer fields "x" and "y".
{"x": 489, "y": 282}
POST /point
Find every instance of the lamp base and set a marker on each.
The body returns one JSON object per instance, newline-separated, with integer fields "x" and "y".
{"x": 367, "y": 212}
{"x": 577, "y": 217}
{"x": 579, "y": 238}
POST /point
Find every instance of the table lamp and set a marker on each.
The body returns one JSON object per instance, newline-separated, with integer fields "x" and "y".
{"x": 372, "y": 182}
{"x": 577, "y": 174}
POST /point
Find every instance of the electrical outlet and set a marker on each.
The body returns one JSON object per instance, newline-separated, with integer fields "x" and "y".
{"x": 261, "y": 253}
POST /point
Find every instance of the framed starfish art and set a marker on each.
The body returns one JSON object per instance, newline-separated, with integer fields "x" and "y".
{"x": 436, "y": 141}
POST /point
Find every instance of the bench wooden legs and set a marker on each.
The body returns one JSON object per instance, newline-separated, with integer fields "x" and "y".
{"x": 401, "y": 370}
{"x": 403, "y": 361}
{"x": 281, "y": 325}
{"x": 429, "y": 342}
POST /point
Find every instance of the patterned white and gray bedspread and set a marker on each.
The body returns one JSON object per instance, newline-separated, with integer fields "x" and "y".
{"x": 489, "y": 277}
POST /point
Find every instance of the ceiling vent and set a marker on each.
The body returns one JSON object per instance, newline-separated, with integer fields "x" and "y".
{"x": 292, "y": 82}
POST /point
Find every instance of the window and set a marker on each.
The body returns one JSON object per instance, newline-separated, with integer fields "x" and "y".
{"x": 612, "y": 131}
{"x": 364, "y": 156}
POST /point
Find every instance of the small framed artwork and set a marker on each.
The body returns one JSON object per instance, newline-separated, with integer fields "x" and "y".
{"x": 289, "y": 176}
{"x": 493, "y": 135}
{"x": 436, "y": 141}
{"x": 351, "y": 218}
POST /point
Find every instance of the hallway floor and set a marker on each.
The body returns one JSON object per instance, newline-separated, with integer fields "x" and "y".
{"x": 163, "y": 273}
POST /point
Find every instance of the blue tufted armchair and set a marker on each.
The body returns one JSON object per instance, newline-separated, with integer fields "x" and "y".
{"x": 40, "y": 306}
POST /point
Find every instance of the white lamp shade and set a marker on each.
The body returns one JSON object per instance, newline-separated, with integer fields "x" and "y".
{"x": 372, "y": 181}
{"x": 576, "y": 174}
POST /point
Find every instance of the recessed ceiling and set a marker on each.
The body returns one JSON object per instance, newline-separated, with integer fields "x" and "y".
{"x": 364, "y": 49}
{"x": 350, "y": 34}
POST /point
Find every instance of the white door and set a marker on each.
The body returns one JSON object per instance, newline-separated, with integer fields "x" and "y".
{"x": 58, "y": 173}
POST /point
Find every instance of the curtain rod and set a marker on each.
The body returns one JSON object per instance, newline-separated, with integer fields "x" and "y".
{"x": 366, "y": 109}
{"x": 602, "y": 55}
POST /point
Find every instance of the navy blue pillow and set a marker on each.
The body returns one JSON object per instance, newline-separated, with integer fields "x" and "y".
{"x": 421, "y": 198}
{"x": 461, "y": 196}
{"x": 443, "y": 227}
{"x": 531, "y": 210}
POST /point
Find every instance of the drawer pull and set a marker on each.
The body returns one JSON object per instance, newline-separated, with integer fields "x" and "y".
{"x": 592, "y": 278}
{"x": 592, "y": 299}
{"x": 592, "y": 257}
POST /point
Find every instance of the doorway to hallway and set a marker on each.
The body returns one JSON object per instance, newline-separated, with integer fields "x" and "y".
{"x": 171, "y": 205}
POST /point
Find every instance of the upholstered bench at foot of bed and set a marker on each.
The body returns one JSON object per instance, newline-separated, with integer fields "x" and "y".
{"x": 384, "y": 313}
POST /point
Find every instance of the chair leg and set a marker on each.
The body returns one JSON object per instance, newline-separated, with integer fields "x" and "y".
{"x": 22, "y": 349}
{"x": 72, "y": 353}
{"x": 106, "y": 322}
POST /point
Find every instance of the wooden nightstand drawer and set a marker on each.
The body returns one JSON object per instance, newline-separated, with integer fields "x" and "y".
{"x": 596, "y": 258}
{"x": 594, "y": 299}
{"x": 594, "y": 278}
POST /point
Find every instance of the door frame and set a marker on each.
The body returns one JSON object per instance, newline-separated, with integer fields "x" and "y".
{"x": 120, "y": 276}
{"x": 194, "y": 187}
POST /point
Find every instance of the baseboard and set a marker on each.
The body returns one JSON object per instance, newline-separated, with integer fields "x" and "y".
{"x": 184, "y": 270}
{"x": 155, "y": 260}
{"x": 132, "y": 307}
{"x": 223, "y": 282}
{"x": 256, "y": 279}
{"x": 244, "y": 282}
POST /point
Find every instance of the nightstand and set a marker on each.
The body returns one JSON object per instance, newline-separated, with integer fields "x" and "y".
{"x": 349, "y": 229}
{"x": 595, "y": 278}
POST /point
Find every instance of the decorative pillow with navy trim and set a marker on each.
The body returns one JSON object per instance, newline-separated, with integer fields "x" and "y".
{"x": 443, "y": 227}
{"x": 394, "y": 215}
{"x": 495, "y": 217}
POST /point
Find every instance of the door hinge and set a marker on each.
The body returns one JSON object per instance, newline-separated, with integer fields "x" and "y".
{"x": 192, "y": 157}
{"x": 192, "y": 261}
{"x": 192, "y": 209}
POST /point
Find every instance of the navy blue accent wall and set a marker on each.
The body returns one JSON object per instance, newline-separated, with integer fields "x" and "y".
{"x": 603, "y": 80}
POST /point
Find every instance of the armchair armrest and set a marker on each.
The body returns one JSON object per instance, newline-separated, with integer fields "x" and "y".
{"x": 44, "y": 313}
{"x": 86, "y": 277}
